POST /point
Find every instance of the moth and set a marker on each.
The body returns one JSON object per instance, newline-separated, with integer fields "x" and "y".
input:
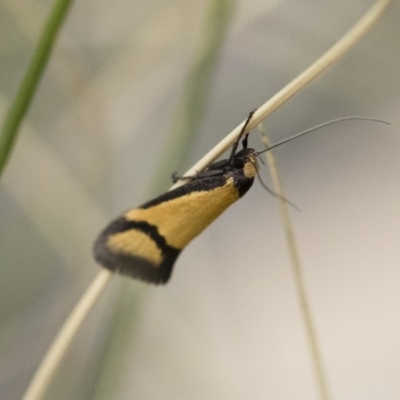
{"x": 145, "y": 242}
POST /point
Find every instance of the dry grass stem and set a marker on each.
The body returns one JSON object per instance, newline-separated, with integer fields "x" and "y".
{"x": 297, "y": 272}
{"x": 61, "y": 343}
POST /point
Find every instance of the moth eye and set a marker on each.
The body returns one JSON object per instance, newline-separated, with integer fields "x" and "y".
{"x": 238, "y": 163}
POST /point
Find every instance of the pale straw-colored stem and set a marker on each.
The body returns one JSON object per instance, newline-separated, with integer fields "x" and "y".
{"x": 337, "y": 51}
{"x": 61, "y": 343}
{"x": 298, "y": 274}
{"x": 58, "y": 348}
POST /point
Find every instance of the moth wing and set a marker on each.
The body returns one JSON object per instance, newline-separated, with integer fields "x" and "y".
{"x": 135, "y": 249}
{"x": 145, "y": 242}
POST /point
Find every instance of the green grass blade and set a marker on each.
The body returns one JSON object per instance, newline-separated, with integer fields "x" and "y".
{"x": 31, "y": 80}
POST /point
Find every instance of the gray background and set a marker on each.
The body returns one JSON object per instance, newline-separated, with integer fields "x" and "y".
{"x": 228, "y": 325}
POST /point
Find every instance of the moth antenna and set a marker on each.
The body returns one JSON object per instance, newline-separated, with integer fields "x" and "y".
{"x": 276, "y": 195}
{"x": 334, "y": 121}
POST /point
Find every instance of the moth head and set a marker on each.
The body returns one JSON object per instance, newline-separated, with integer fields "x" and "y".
{"x": 246, "y": 161}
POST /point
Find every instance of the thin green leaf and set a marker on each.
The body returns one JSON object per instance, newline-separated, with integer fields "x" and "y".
{"x": 29, "y": 84}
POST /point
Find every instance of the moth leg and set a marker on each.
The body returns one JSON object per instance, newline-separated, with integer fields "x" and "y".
{"x": 235, "y": 145}
{"x": 175, "y": 177}
{"x": 208, "y": 173}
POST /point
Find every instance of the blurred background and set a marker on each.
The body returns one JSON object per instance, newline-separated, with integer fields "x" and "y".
{"x": 228, "y": 325}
